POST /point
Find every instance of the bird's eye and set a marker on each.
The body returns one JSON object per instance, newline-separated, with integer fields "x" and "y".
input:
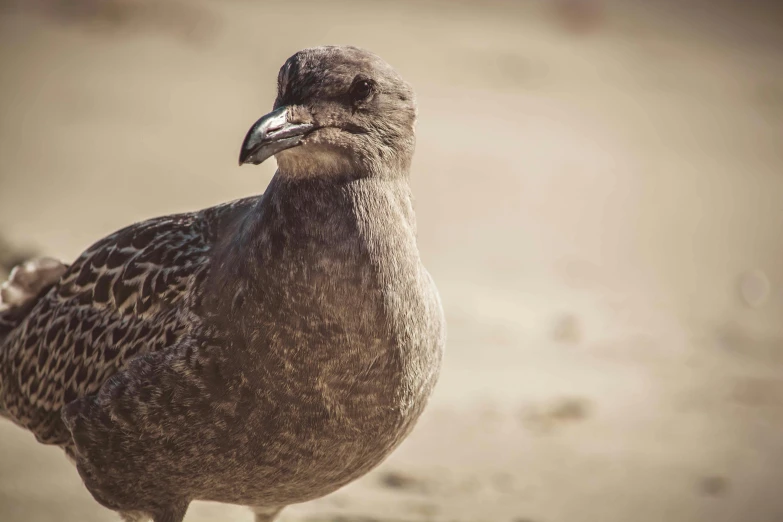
{"x": 361, "y": 90}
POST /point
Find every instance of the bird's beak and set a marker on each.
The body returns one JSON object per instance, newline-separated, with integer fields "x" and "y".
{"x": 270, "y": 135}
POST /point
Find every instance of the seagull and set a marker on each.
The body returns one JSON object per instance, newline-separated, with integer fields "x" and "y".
{"x": 262, "y": 352}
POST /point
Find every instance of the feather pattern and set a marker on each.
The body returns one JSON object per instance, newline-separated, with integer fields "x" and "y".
{"x": 264, "y": 352}
{"x": 131, "y": 293}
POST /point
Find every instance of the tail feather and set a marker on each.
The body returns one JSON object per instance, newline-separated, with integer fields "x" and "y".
{"x": 26, "y": 284}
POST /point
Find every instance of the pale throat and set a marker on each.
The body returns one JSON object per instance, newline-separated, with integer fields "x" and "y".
{"x": 313, "y": 162}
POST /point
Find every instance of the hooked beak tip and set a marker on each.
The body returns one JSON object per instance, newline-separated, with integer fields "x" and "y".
{"x": 269, "y": 135}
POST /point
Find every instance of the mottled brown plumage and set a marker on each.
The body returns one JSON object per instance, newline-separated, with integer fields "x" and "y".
{"x": 262, "y": 352}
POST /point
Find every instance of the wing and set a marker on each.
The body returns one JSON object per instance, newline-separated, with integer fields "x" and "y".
{"x": 149, "y": 437}
{"x": 133, "y": 292}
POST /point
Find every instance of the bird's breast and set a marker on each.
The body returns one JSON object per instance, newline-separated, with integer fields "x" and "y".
{"x": 340, "y": 333}
{"x": 345, "y": 376}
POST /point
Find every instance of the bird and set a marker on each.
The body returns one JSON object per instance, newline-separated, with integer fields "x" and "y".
{"x": 262, "y": 352}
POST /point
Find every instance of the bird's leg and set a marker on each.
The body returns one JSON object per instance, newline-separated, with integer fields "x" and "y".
{"x": 266, "y": 514}
{"x": 175, "y": 512}
{"x": 134, "y": 516}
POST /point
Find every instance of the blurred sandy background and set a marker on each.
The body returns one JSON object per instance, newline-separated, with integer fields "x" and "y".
{"x": 600, "y": 199}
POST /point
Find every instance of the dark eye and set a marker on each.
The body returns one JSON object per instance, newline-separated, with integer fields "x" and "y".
{"x": 361, "y": 90}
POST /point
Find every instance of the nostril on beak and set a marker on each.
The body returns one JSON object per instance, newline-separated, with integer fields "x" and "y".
{"x": 276, "y": 126}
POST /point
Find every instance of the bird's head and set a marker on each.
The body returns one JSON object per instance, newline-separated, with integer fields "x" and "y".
{"x": 339, "y": 111}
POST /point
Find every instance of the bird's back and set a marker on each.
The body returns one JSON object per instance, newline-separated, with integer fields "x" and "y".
{"x": 135, "y": 291}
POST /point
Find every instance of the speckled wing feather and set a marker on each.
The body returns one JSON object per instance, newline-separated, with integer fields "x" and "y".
{"x": 133, "y": 292}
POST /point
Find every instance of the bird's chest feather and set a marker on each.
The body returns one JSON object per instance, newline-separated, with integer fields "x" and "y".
{"x": 341, "y": 331}
{"x": 327, "y": 332}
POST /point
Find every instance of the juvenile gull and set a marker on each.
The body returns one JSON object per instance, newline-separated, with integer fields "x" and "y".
{"x": 263, "y": 352}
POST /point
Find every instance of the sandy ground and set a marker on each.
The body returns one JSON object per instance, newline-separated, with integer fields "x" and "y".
{"x": 601, "y": 210}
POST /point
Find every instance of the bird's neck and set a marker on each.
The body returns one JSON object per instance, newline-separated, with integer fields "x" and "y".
{"x": 325, "y": 229}
{"x": 336, "y": 209}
